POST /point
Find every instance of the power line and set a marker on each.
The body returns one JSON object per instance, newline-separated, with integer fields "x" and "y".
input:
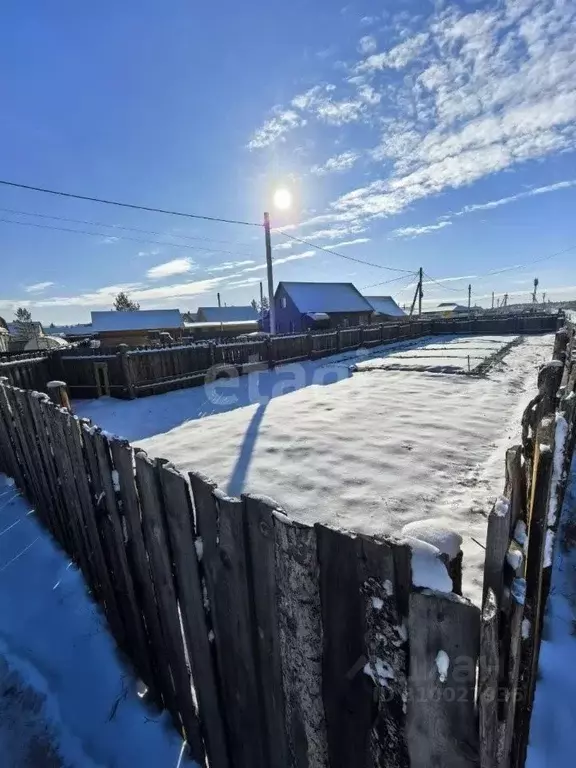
{"x": 121, "y": 226}
{"x": 123, "y": 237}
{"x": 127, "y": 205}
{"x": 441, "y": 284}
{"x": 342, "y": 255}
{"x": 504, "y": 269}
{"x": 411, "y": 276}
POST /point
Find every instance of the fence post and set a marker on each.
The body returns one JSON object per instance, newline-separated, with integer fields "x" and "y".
{"x": 126, "y": 370}
{"x": 269, "y": 352}
{"x": 338, "y": 340}
{"x": 58, "y": 392}
{"x": 310, "y": 340}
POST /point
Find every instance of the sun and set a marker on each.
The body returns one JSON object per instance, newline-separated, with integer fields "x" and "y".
{"x": 282, "y": 199}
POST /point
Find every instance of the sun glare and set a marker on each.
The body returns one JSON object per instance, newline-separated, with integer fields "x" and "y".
{"x": 282, "y": 199}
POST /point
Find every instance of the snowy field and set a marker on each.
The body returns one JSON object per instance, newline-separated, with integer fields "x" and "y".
{"x": 65, "y": 699}
{"x": 370, "y": 450}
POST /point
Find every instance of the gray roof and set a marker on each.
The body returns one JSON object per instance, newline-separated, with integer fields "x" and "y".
{"x": 326, "y": 297}
{"x": 385, "y": 305}
{"x": 140, "y": 320}
{"x": 226, "y": 314}
{"x": 71, "y": 330}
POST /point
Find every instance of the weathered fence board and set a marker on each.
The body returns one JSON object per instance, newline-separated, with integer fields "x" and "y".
{"x": 180, "y": 526}
{"x": 364, "y": 658}
{"x": 444, "y": 634}
{"x": 488, "y": 674}
{"x": 160, "y": 561}
{"x": 299, "y": 613}
{"x": 220, "y": 522}
{"x": 114, "y": 528}
{"x": 138, "y": 558}
{"x": 261, "y": 528}
{"x": 497, "y": 541}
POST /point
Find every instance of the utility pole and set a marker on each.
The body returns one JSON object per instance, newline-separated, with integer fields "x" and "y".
{"x": 420, "y": 291}
{"x": 505, "y": 300}
{"x": 220, "y": 307}
{"x": 534, "y": 299}
{"x": 417, "y": 294}
{"x": 261, "y": 298}
{"x": 544, "y": 297}
{"x": 269, "y": 275}
{"x": 492, "y": 299}
{"x": 469, "y": 297}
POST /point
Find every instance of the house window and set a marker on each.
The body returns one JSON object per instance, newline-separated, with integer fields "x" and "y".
{"x": 283, "y": 302}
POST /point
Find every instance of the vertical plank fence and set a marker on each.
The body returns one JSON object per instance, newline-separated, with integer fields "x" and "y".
{"x": 273, "y": 643}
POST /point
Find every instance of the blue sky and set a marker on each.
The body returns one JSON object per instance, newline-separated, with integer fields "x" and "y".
{"x": 412, "y": 134}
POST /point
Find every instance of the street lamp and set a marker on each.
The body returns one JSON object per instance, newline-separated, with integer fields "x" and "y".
{"x": 282, "y": 201}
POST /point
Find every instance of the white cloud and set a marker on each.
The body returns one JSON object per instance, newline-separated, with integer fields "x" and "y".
{"x": 445, "y": 220}
{"x": 367, "y": 44}
{"x": 275, "y": 128}
{"x": 337, "y": 164}
{"x": 480, "y": 92}
{"x": 248, "y": 282}
{"x": 416, "y": 231}
{"x": 257, "y": 268}
{"x": 230, "y": 265}
{"x": 345, "y": 243}
{"x": 152, "y": 252}
{"x": 38, "y": 287}
{"x": 397, "y": 57}
{"x": 295, "y": 257}
{"x": 170, "y": 268}
{"x": 109, "y": 240}
{"x": 514, "y": 198}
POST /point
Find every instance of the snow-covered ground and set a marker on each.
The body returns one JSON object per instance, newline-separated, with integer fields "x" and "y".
{"x": 553, "y": 726}
{"x": 370, "y": 450}
{"x": 65, "y": 699}
{"x": 452, "y": 355}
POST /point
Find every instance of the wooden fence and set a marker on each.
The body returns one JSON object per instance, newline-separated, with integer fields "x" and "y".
{"x": 127, "y": 373}
{"x": 274, "y": 643}
{"x": 519, "y": 556}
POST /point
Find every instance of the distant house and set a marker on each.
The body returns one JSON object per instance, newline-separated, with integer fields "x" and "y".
{"x": 22, "y": 332}
{"x": 135, "y": 328}
{"x": 385, "y": 308}
{"x": 226, "y": 314}
{"x": 73, "y": 332}
{"x": 223, "y": 330}
{"x": 4, "y": 335}
{"x": 448, "y": 309}
{"x": 308, "y": 306}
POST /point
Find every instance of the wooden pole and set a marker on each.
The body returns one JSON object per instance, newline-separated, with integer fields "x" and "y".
{"x": 469, "y": 297}
{"x": 269, "y": 275}
{"x": 58, "y": 391}
{"x": 420, "y": 291}
{"x": 492, "y": 299}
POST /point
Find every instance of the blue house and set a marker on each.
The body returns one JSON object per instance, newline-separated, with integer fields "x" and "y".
{"x": 385, "y": 307}
{"x": 301, "y": 307}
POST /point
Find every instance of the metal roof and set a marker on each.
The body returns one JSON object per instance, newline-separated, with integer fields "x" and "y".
{"x": 385, "y": 305}
{"x": 140, "y": 320}
{"x": 226, "y": 314}
{"x": 326, "y": 297}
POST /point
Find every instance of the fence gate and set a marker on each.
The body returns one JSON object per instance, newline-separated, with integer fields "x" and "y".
{"x": 102, "y": 380}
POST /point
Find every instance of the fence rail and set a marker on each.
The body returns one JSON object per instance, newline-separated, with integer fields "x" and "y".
{"x": 275, "y": 643}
